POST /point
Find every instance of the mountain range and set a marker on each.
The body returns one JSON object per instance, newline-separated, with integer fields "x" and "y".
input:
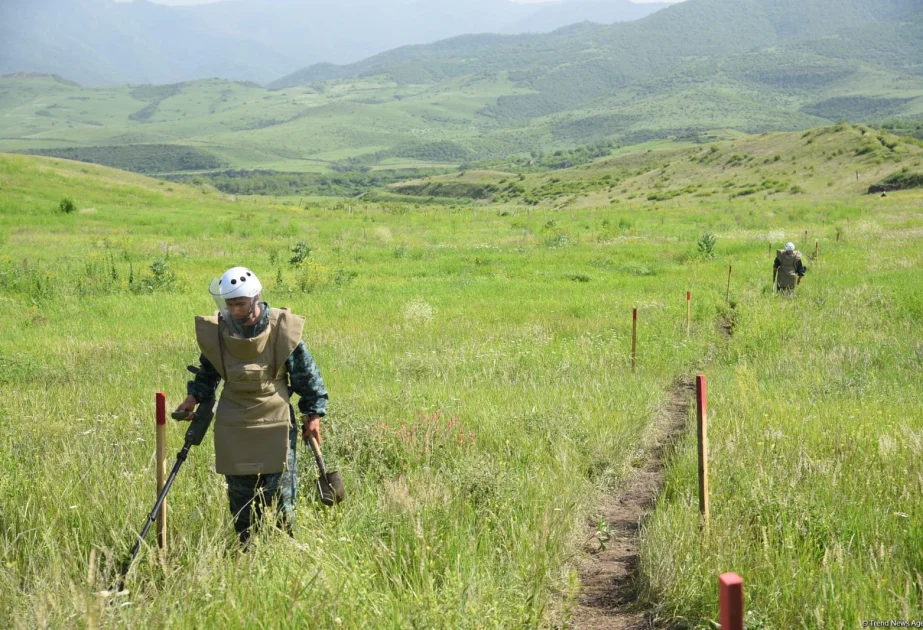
{"x": 691, "y": 72}
{"x": 100, "y": 42}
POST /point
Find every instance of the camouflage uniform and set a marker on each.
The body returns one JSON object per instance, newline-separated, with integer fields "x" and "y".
{"x": 249, "y": 495}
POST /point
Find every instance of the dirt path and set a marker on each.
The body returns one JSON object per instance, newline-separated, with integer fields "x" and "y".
{"x": 608, "y": 578}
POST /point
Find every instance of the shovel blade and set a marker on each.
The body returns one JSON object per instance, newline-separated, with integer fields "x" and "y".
{"x": 330, "y": 488}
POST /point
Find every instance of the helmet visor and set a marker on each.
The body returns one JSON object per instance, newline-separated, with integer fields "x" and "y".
{"x": 214, "y": 289}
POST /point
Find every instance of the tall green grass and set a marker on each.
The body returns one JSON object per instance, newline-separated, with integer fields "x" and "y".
{"x": 815, "y": 429}
{"x": 481, "y": 398}
{"x": 481, "y": 401}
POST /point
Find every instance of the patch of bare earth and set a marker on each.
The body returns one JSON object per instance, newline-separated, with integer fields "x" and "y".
{"x": 609, "y": 577}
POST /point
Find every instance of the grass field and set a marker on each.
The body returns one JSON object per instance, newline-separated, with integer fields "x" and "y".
{"x": 481, "y": 402}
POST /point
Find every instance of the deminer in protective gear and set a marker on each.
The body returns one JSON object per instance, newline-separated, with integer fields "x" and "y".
{"x": 259, "y": 353}
{"x": 788, "y": 270}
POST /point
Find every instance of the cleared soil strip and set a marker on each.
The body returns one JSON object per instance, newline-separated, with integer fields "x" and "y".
{"x": 608, "y": 578}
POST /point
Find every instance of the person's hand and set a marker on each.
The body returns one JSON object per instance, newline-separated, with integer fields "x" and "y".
{"x": 311, "y": 427}
{"x": 188, "y": 405}
{"x": 799, "y": 279}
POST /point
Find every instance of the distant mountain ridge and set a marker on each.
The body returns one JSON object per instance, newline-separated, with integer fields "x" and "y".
{"x": 98, "y": 42}
{"x": 695, "y": 42}
{"x": 693, "y": 28}
{"x": 695, "y": 71}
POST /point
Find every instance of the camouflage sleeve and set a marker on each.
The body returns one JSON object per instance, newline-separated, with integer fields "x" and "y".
{"x": 306, "y": 381}
{"x": 800, "y": 269}
{"x": 206, "y": 381}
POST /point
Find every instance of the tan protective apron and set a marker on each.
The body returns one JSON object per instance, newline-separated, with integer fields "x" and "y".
{"x": 252, "y": 420}
{"x": 786, "y": 276}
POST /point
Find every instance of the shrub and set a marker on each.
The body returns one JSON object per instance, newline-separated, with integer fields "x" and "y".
{"x": 300, "y": 252}
{"x": 162, "y": 277}
{"x": 67, "y": 206}
{"x": 707, "y": 244}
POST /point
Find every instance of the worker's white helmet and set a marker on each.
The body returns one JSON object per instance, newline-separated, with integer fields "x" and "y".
{"x": 789, "y": 247}
{"x": 236, "y": 282}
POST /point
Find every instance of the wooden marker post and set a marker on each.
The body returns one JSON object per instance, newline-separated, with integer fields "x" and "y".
{"x": 701, "y": 408}
{"x": 805, "y": 236}
{"x": 688, "y": 313}
{"x": 731, "y": 601}
{"x": 634, "y": 338}
{"x": 160, "y": 463}
{"x": 727, "y": 298}
{"x": 816, "y": 250}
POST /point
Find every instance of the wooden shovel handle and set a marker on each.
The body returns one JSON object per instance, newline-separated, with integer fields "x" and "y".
{"x": 318, "y": 456}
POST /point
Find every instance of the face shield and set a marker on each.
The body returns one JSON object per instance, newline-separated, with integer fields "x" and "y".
{"x": 214, "y": 289}
{"x": 236, "y": 294}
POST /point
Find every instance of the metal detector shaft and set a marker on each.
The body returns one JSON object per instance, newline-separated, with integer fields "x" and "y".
{"x": 180, "y": 458}
{"x": 200, "y": 423}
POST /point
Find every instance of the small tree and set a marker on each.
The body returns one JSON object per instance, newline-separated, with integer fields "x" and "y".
{"x": 67, "y": 205}
{"x": 707, "y": 244}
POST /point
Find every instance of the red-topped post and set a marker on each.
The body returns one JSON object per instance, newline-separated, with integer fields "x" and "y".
{"x": 731, "y": 601}
{"x": 160, "y": 464}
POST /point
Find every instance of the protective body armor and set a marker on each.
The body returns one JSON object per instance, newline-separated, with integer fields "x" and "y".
{"x": 786, "y": 276}
{"x": 253, "y": 417}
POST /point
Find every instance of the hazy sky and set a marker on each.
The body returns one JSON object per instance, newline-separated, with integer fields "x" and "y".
{"x": 175, "y": 2}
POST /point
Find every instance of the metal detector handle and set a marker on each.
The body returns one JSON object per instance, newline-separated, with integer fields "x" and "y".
{"x": 201, "y": 420}
{"x": 318, "y": 457}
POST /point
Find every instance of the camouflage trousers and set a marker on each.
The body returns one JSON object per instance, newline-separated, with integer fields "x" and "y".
{"x": 251, "y": 496}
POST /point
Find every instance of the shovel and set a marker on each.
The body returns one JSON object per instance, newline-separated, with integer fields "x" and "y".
{"x": 329, "y": 484}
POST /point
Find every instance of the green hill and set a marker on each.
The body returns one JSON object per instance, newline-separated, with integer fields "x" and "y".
{"x": 823, "y": 162}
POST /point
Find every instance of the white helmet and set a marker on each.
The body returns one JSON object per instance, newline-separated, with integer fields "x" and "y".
{"x": 237, "y": 282}
{"x": 789, "y": 247}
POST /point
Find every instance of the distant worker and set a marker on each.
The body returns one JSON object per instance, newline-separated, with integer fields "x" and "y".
{"x": 259, "y": 353}
{"x": 788, "y": 270}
